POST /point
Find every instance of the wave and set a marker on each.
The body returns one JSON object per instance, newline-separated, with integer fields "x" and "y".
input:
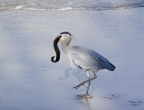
{"x": 63, "y": 5}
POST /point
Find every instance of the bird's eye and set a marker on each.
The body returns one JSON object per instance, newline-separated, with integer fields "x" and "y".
{"x": 62, "y": 37}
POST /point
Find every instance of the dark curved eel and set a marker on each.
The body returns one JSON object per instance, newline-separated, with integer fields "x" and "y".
{"x": 56, "y": 48}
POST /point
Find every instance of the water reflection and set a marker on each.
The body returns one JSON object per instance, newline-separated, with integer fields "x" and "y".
{"x": 67, "y": 74}
{"x": 85, "y": 102}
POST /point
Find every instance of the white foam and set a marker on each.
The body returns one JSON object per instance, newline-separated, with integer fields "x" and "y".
{"x": 34, "y": 9}
{"x": 19, "y": 7}
{"x": 66, "y": 8}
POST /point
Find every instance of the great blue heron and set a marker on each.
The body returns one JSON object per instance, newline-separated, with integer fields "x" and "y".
{"x": 85, "y": 59}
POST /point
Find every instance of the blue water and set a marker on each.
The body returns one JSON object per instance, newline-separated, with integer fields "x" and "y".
{"x": 69, "y": 4}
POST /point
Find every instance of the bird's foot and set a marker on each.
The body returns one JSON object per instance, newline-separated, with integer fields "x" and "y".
{"x": 81, "y": 84}
{"x": 85, "y": 96}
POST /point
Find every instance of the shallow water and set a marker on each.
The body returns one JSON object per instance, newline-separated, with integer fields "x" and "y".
{"x": 30, "y": 81}
{"x": 69, "y": 4}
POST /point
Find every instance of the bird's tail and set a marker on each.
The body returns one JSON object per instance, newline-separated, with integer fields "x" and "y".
{"x": 111, "y": 67}
{"x": 106, "y": 64}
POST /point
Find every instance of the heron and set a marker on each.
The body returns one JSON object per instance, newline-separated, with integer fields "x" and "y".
{"x": 83, "y": 58}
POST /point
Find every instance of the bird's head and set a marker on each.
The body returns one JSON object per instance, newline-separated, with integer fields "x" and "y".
{"x": 63, "y": 38}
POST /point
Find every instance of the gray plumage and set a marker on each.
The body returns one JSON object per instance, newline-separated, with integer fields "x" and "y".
{"x": 84, "y": 58}
{"x": 89, "y": 60}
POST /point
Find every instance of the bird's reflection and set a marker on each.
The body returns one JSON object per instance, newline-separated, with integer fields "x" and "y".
{"x": 67, "y": 74}
{"x": 84, "y": 102}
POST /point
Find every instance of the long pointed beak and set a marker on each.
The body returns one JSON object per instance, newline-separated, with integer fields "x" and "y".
{"x": 56, "y": 48}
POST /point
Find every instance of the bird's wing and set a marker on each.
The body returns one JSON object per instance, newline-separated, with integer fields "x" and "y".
{"x": 89, "y": 60}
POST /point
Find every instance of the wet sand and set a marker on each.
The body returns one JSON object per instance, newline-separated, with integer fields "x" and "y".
{"x": 30, "y": 81}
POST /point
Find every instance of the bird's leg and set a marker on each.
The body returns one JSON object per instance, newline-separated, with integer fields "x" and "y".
{"x": 86, "y": 95}
{"x": 82, "y": 84}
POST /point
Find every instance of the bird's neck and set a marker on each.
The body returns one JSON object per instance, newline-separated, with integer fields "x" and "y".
{"x": 66, "y": 48}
